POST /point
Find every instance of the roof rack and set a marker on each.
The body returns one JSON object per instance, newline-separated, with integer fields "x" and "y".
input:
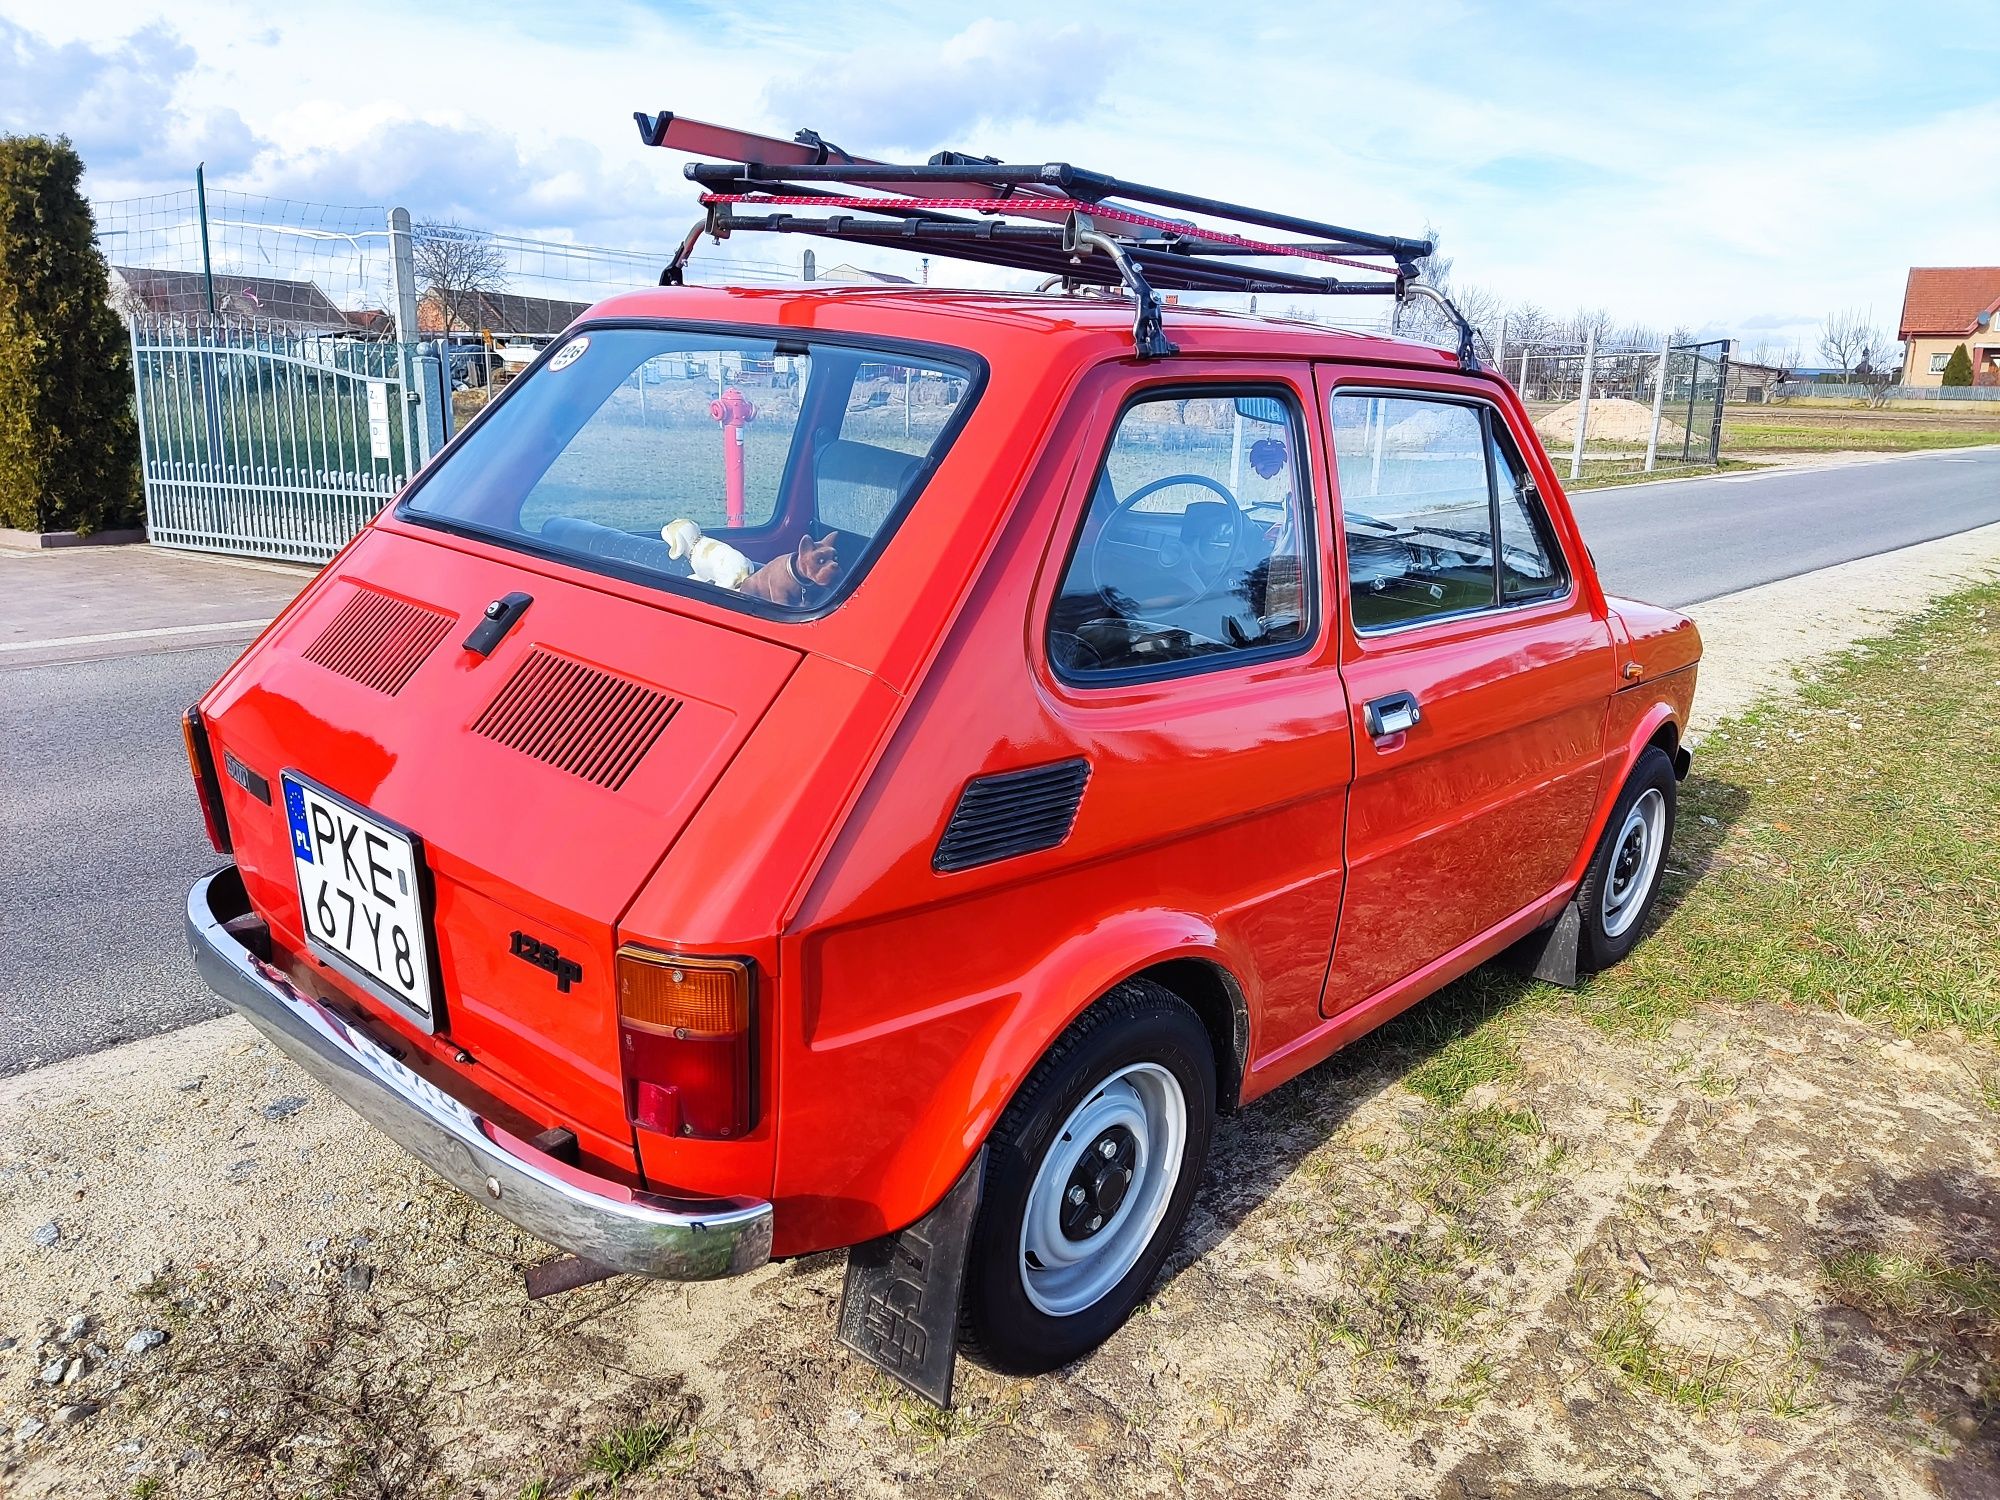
{"x": 1074, "y": 227}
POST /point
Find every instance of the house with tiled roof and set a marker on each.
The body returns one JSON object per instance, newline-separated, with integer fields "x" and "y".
{"x": 502, "y": 314}
{"x": 149, "y": 292}
{"x": 1943, "y": 307}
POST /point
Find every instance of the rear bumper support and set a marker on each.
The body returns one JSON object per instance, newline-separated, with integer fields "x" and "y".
{"x": 599, "y": 1219}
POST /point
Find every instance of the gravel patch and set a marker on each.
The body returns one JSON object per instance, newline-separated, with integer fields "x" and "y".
{"x": 232, "y": 1288}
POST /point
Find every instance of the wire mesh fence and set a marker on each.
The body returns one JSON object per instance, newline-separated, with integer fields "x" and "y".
{"x": 242, "y": 260}
{"x": 1602, "y": 413}
{"x": 252, "y": 315}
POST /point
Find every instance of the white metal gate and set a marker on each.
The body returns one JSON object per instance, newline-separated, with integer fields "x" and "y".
{"x": 270, "y": 442}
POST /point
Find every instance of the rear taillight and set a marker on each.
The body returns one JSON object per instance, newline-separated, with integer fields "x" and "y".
{"x": 684, "y": 1028}
{"x": 201, "y": 763}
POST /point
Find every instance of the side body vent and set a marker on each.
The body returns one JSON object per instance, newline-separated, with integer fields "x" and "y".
{"x": 1010, "y": 813}
{"x": 377, "y": 640}
{"x": 588, "y": 722}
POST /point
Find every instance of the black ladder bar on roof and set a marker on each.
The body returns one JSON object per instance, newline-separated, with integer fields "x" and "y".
{"x": 1059, "y": 176}
{"x": 1089, "y": 228}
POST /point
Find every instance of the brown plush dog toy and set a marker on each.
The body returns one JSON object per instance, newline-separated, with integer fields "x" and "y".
{"x": 785, "y": 580}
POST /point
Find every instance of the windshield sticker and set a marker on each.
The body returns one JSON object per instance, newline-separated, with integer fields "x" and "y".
{"x": 567, "y": 355}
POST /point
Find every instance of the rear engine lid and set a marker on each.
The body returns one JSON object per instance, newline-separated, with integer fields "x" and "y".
{"x": 541, "y": 785}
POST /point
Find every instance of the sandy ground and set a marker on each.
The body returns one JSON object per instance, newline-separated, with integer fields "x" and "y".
{"x": 1613, "y": 419}
{"x": 1375, "y": 1296}
{"x": 1753, "y": 642}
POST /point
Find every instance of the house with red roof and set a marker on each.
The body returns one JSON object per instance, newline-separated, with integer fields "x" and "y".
{"x": 1943, "y": 307}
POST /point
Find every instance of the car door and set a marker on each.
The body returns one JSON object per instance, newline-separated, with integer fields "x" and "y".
{"x": 1476, "y": 674}
{"x": 1192, "y": 656}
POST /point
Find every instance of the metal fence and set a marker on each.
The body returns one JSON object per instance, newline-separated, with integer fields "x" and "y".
{"x": 268, "y": 442}
{"x": 1813, "y": 390}
{"x": 294, "y": 363}
{"x": 1606, "y": 412}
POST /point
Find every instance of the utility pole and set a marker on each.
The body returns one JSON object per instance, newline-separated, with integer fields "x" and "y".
{"x": 201, "y": 208}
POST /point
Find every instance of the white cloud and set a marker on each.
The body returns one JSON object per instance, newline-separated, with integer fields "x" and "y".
{"x": 1717, "y": 166}
{"x": 909, "y": 95}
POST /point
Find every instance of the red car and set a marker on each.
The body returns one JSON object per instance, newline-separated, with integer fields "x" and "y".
{"x": 901, "y": 806}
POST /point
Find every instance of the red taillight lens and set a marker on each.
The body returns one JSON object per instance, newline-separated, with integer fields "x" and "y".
{"x": 684, "y": 1028}
{"x": 201, "y": 763}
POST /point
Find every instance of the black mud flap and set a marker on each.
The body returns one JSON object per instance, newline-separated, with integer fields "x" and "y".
{"x": 1551, "y": 953}
{"x": 899, "y": 1307}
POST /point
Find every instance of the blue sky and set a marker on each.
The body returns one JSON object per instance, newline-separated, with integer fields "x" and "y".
{"x": 1741, "y": 169}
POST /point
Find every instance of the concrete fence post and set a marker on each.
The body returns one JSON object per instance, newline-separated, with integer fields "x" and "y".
{"x": 1659, "y": 400}
{"x": 1583, "y": 405}
{"x": 420, "y": 422}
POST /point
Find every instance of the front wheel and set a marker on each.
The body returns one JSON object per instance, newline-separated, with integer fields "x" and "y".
{"x": 1625, "y": 874}
{"x": 1089, "y": 1176}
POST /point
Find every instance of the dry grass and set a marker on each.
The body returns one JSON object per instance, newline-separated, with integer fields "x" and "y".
{"x": 1840, "y": 851}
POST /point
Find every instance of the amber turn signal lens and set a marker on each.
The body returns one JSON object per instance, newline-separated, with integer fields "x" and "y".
{"x": 707, "y": 997}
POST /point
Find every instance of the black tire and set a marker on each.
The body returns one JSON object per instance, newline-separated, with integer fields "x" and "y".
{"x": 1602, "y": 947}
{"x": 1138, "y": 1022}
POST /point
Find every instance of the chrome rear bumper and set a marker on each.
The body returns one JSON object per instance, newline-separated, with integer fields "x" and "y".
{"x": 597, "y": 1218}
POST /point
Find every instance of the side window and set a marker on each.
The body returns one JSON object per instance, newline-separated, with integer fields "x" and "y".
{"x": 1196, "y": 543}
{"x": 1425, "y": 485}
{"x": 1530, "y": 561}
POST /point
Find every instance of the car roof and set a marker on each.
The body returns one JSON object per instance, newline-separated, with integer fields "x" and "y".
{"x": 989, "y": 323}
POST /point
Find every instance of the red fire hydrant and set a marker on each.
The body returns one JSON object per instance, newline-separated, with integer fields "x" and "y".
{"x": 734, "y": 413}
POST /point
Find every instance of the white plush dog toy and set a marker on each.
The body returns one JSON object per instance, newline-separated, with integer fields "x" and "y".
{"x": 712, "y": 561}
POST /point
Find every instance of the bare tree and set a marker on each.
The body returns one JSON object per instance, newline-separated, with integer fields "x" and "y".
{"x": 455, "y": 267}
{"x": 1528, "y": 325}
{"x": 1848, "y": 338}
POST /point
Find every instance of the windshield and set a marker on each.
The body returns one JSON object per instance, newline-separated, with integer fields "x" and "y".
{"x": 768, "y": 470}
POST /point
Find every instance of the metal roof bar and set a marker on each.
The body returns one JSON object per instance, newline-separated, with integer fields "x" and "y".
{"x": 1083, "y": 226}
{"x": 1038, "y": 247}
{"x": 1060, "y": 177}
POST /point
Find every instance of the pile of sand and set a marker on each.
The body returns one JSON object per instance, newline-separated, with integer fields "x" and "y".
{"x": 1612, "y": 420}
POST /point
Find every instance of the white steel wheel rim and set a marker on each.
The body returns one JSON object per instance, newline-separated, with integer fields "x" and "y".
{"x": 1635, "y": 862}
{"x": 1142, "y": 1110}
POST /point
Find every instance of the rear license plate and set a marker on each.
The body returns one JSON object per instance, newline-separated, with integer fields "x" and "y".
{"x": 361, "y": 896}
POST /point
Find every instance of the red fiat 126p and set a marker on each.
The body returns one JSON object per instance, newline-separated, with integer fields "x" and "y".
{"x": 885, "y": 768}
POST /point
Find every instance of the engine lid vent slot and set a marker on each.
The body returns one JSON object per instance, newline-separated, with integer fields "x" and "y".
{"x": 378, "y": 640}
{"x": 577, "y": 718}
{"x": 1011, "y": 813}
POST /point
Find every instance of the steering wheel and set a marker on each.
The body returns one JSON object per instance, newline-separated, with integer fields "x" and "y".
{"x": 1184, "y": 568}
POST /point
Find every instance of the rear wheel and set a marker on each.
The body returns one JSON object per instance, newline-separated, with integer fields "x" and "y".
{"x": 1089, "y": 1176}
{"x": 1624, "y": 877}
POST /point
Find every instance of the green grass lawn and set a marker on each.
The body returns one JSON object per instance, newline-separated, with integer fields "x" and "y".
{"x": 1843, "y": 850}
{"x": 1834, "y": 429}
{"x": 1839, "y": 850}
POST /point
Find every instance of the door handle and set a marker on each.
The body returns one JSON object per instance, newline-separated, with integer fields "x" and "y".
{"x": 1394, "y": 713}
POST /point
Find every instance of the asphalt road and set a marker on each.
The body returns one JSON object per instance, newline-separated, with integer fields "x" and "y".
{"x": 99, "y": 841}
{"x": 99, "y": 837}
{"x": 1698, "y": 539}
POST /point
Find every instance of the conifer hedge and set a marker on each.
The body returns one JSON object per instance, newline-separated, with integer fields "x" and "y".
{"x": 69, "y": 441}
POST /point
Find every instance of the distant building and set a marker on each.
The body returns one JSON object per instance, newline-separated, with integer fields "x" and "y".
{"x": 371, "y": 322}
{"x": 846, "y": 275}
{"x": 1943, "y": 307}
{"x": 146, "y": 292}
{"x": 1753, "y": 382}
{"x": 502, "y": 314}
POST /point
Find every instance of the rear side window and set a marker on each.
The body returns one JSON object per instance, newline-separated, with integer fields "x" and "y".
{"x": 1195, "y": 547}
{"x": 1426, "y": 486}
